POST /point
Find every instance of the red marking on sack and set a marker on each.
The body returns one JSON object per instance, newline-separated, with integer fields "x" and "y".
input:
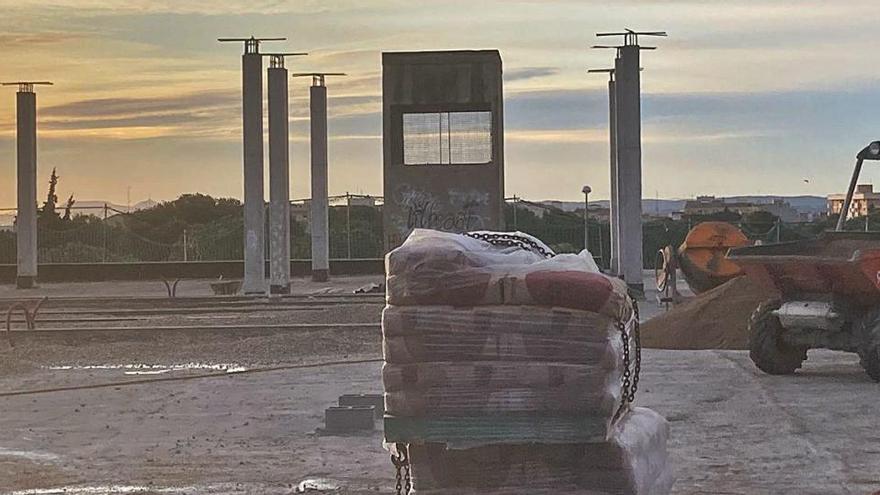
{"x": 570, "y": 289}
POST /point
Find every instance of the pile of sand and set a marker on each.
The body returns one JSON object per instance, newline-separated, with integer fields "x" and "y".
{"x": 717, "y": 319}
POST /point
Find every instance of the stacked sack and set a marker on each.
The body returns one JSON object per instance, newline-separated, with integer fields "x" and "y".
{"x": 504, "y": 368}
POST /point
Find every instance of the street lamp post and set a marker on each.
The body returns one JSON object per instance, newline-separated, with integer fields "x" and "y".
{"x": 587, "y": 190}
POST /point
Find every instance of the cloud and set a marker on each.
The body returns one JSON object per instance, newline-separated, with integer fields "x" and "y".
{"x": 23, "y": 40}
{"x": 207, "y": 7}
{"x": 524, "y": 73}
{"x": 115, "y": 107}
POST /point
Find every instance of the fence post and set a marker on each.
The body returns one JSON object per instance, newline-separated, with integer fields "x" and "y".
{"x": 348, "y": 222}
{"x": 515, "y": 199}
{"x": 104, "y": 232}
{"x": 184, "y": 246}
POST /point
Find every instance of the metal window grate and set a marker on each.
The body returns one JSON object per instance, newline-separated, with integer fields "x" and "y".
{"x": 447, "y": 138}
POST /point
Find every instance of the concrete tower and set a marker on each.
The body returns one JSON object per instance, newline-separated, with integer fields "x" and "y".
{"x": 442, "y": 142}
{"x": 26, "y": 172}
{"x": 319, "y": 214}
{"x": 279, "y": 175}
{"x": 252, "y": 127}
{"x": 628, "y": 144}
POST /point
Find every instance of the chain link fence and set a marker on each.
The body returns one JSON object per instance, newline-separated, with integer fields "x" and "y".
{"x": 108, "y": 235}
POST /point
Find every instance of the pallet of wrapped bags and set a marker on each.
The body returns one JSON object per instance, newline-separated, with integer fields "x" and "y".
{"x": 434, "y": 268}
{"x": 632, "y": 461}
{"x": 500, "y": 374}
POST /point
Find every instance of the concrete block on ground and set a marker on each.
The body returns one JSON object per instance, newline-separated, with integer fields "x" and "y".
{"x": 347, "y": 419}
{"x": 356, "y": 400}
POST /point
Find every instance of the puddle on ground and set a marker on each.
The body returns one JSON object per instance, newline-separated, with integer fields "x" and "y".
{"x": 317, "y": 485}
{"x": 29, "y": 455}
{"x": 152, "y": 369}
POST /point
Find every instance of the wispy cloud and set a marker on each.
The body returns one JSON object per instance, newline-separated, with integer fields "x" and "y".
{"x": 24, "y": 40}
{"x": 523, "y": 73}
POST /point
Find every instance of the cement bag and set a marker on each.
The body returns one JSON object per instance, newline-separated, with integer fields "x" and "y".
{"x": 633, "y": 461}
{"x": 491, "y": 321}
{"x": 481, "y": 388}
{"x": 565, "y": 281}
{"x": 433, "y": 267}
{"x": 429, "y": 347}
{"x": 414, "y": 335}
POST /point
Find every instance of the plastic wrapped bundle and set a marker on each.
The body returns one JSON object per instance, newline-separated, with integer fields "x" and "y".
{"x": 436, "y": 268}
{"x": 633, "y": 461}
{"x": 415, "y": 334}
{"x": 504, "y": 371}
{"x": 500, "y": 374}
{"x": 456, "y": 389}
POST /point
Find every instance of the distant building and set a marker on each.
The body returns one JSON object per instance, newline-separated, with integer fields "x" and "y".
{"x": 864, "y": 200}
{"x": 361, "y": 201}
{"x": 710, "y": 205}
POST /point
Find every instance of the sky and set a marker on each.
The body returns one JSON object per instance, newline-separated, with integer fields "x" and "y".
{"x": 743, "y": 97}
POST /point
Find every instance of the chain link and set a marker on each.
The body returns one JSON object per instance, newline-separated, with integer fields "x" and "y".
{"x": 638, "y": 341}
{"x": 401, "y": 462}
{"x": 631, "y": 370}
{"x": 511, "y": 240}
{"x": 624, "y": 394}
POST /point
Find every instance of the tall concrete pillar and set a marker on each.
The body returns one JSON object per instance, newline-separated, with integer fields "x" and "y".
{"x": 26, "y": 220}
{"x": 614, "y": 212}
{"x": 254, "y": 204}
{"x": 319, "y": 203}
{"x": 629, "y": 165}
{"x": 252, "y": 137}
{"x": 279, "y": 180}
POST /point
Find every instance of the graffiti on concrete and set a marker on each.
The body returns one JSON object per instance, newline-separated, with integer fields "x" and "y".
{"x": 460, "y": 212}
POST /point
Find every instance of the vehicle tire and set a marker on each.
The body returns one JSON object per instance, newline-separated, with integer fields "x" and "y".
{"x": 766, "y": 348}
{"x": 869, "y": 352}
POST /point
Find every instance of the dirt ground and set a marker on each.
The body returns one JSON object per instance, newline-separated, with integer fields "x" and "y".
{"x": 734, "y": 429}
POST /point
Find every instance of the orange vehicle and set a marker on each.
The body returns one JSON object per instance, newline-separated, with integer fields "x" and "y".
{"x": 830, "y": 291}
{"x": 702, "y": 257}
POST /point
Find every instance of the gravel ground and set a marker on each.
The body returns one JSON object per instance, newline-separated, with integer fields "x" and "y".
{"x": 734, "y": 429}
{"x": 185, "y": 288}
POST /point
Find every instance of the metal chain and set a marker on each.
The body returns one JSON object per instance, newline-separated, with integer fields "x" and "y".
{"x": 511, "y": 240}
{"x": 638, "y": 338}
{"x": 401, "y": 461}
{"x": 624, "y": 396}
{"x": 631, "y": 371}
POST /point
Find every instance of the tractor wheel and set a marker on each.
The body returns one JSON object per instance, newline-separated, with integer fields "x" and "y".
{"x": 766, "y": 348}
{"x": 870, "y": 349}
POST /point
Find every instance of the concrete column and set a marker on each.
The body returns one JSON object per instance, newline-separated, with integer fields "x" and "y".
{"x": 279, "y": 183}
{"x": 26, "y": 219}
{"x": 615, "y": 207}
{"x": 319, "y": 207}
{"x": 254, "y": 207}
{"x": 629, "y": 165}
